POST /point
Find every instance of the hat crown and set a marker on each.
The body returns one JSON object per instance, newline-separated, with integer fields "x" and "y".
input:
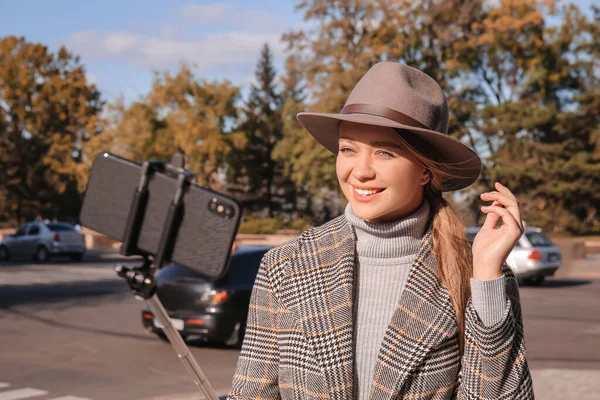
{"x": 406, "y": 90}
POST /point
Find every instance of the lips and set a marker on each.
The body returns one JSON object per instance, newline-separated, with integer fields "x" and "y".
{"x": 366, "y": 194}
{"x": 368, "y": 188}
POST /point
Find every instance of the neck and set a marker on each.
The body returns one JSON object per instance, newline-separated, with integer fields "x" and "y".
{"x": 415, "y": 204}
{"x": 392, "y": 239}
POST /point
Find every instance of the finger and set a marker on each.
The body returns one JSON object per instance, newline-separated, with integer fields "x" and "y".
{"x": 491, "y": 220}
{"x": 506, "y": 215}
{"x": 505, "y": 197}
{"x": 504, "y": 190}
{"x": 503, "y": 200}
{"x": 506, "y": 200}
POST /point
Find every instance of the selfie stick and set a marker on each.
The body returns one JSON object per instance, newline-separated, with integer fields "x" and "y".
{"x": 141, "y": 279}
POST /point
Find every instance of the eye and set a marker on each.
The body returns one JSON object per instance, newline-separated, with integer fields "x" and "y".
{"x": 345, "y": 149}
{"x": 385, "y": 153}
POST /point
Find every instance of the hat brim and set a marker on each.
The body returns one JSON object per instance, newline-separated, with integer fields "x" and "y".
{"x": 462, "y": 162}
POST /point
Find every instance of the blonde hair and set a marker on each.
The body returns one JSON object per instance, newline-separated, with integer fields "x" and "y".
{"x": 450, "y": 244}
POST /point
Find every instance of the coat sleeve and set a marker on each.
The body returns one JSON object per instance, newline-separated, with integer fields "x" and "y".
{"x": 256, "y": 376}
{"x": 494, "y": 363}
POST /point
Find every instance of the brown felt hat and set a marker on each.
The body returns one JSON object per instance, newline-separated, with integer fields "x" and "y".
{"x": 398, "y": 96}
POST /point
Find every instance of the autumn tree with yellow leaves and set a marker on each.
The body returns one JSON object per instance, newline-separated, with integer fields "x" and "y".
{"x": 521, "y": 77}
{"x": 180, "y": 114}
{"x": 46, "y": 108}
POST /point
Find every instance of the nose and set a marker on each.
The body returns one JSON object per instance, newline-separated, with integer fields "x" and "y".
{"x": 363, "y": 169}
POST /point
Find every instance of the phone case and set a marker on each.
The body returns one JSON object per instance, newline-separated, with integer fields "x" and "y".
{"x": 205, "y": 237}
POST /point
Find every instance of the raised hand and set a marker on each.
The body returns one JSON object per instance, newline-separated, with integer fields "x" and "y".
{"x": 492, "y": 245}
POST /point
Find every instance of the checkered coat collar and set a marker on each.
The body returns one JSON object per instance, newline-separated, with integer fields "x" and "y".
{"x": 320, "y": 294}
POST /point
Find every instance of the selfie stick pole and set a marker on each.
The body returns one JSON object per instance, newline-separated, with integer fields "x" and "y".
{"x": 141, "y": 279}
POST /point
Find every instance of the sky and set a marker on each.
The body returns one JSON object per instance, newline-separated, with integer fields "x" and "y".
{"x": 121, "y": 42}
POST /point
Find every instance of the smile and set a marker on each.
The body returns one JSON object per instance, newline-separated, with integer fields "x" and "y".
{"x": 367, "y": 192}
{"x": 364, "y": 195}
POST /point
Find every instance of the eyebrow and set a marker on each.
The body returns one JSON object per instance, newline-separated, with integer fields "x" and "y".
{"x": 380, "y": 143}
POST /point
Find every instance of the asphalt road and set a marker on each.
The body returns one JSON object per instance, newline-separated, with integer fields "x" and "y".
{"x": 72, "y": 331}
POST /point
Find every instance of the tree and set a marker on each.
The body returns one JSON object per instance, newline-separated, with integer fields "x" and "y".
{"x": 46, "y": 107}
{"x": 521, "y": 91}
{"x": 534, "y": 83}
{"x": 305, "y": 162}
{"x": 263, "y": 126}
{"x": 179, "y": 114}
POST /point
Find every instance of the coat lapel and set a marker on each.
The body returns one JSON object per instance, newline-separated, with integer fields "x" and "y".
{"x": 321, "y": 280}
{"x": 424, "y": 317}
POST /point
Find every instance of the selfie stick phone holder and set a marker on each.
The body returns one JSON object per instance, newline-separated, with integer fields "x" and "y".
{"x": 141, "y": 279}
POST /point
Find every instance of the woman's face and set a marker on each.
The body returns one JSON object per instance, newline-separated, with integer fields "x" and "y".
{"x": 381, "y": 180}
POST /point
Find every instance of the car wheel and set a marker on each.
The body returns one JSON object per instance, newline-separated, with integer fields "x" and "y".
{"x": 78, "y": 257}
{"x": 42, "y": 255}
{"x": 535, "y": 281}
{"x": 4, "y": 255}
{"x": 237, "y": 336}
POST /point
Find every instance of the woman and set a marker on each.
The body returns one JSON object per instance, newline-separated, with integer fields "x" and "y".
{"x": 389, "y": 300}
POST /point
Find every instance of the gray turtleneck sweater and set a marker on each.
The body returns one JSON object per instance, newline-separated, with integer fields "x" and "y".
{"x": 385, "y": 253}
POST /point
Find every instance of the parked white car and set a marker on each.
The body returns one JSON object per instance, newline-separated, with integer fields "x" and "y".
{"x": 533, "y": 258}
{"x": 43, "y": 240}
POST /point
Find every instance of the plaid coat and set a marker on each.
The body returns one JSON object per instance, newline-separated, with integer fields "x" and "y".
{"x": 299, "y": 338}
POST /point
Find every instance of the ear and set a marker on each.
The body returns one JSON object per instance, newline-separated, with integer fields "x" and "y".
{"x": 426, "y": 177}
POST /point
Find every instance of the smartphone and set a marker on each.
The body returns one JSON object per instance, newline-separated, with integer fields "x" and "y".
{"x": 206, "y": 234}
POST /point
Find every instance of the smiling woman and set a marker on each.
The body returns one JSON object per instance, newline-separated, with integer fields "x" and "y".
{"x": 374, "y": 164}
{"x": 389, "y": 300}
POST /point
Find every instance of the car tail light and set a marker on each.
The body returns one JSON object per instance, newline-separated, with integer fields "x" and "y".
{"x": 535, "y": 255}
{"x": 56, "y": 237}
{"x": 147, "y": 315}
{"x": 214, "y": 297}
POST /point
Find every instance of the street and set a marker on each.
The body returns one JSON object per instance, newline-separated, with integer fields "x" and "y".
{"x": 72, "y": 331}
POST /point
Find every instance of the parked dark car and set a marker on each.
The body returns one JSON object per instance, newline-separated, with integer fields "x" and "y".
{"x": 214, "y": 310}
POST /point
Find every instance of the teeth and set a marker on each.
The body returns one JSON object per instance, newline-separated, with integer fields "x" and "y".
{"x": 365, "y": 192}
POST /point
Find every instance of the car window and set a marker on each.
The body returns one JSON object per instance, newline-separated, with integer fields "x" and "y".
{"x": 60, "y": 227}
{"x": 34, "y": 230}
{"x": 21, "y": 231}
{"x": 538, "y": 239}
{"x": 244, "y": 267}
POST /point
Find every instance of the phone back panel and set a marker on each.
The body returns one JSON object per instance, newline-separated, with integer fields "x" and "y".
{"x": 204, "y": 239}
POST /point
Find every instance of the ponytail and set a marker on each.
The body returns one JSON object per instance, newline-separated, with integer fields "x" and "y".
{"x": 453, "y": 254}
